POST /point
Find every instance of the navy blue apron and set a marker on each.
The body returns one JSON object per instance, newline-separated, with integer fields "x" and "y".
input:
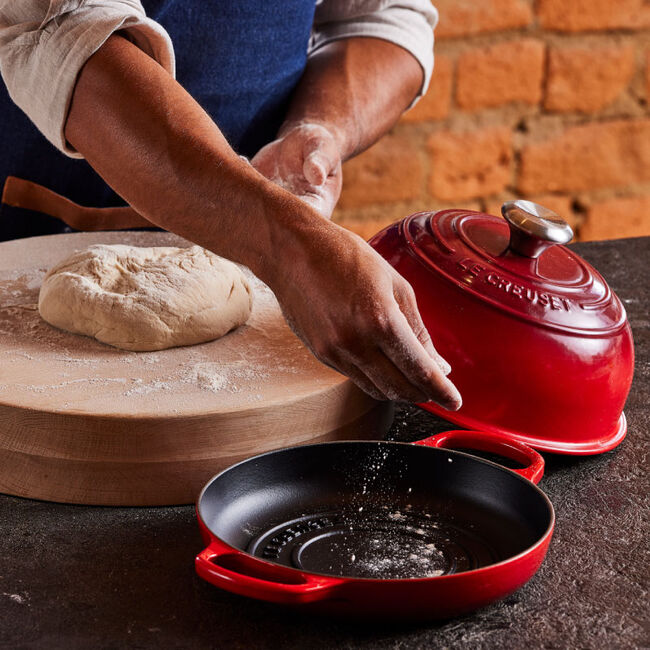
{"x": 239, "y": 59}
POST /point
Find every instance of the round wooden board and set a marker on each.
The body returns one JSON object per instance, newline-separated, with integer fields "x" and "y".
{"x": 83, "y": 422}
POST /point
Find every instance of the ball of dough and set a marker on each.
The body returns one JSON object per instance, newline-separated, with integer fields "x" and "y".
{"x": 145, "y": 298}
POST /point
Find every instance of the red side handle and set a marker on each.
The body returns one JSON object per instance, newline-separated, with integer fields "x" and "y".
{"x": 243, "y": 574}
{"x": 494, "y": 443}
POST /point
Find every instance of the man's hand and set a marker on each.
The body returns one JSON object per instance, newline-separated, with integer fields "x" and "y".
{"x": 359, "y": 316}
{"x": 306, "y": 161}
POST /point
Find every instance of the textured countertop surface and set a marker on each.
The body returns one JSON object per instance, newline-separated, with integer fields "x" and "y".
{"x": 82, "y": 577}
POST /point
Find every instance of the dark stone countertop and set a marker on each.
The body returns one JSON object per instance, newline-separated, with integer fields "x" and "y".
{"x": 92, "y": 577}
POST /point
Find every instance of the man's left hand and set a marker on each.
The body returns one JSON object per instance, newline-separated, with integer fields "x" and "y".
{"x": 306, "y": 161}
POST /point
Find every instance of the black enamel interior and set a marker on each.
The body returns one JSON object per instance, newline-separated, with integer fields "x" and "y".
{"x": 375, "y": 510}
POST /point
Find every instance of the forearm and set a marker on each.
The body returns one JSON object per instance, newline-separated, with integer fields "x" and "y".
{"x": 358, "y": 88}
{"x": 163, "y": 154}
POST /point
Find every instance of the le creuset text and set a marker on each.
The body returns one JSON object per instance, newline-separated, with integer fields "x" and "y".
{"x": 545, "y": 300}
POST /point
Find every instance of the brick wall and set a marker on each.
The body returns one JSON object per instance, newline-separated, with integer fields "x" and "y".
{"x": 543, "y": 99}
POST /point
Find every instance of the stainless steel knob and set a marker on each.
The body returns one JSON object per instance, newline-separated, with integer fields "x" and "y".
{"x": 533, "y": 228}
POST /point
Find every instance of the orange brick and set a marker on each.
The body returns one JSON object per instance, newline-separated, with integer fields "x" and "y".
{"x": 587, "y": 78}
{"x": 466, "y": 17}
{"x": 389, "y": 171}
{"x": 593, "y": 15}
{"x": 435, "y": 104}
{"x": 607, "y": 154}
{"x": 493, "y": 206}
{"x": 629, "y": 217}
{"x": 469, "y": 165}
{"x": 503, "y": 73}
{"x": 647, "y": 78}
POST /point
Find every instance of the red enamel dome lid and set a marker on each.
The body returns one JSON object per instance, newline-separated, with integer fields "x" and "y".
{"x": 518, "y": 265}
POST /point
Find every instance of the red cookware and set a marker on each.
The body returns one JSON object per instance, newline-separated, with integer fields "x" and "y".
{"x": 539, "y": 345}
{"x": 378, "y": 529}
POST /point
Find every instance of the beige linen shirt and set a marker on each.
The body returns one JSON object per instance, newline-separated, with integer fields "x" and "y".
{"x": 45, "y": 43}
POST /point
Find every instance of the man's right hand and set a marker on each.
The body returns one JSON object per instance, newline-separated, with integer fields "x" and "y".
{"x": 359, "y": 316}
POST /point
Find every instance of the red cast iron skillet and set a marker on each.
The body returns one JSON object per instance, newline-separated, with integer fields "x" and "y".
{"x": 334, "y": 527}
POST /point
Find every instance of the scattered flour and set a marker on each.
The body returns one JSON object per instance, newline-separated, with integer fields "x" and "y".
{"x": 17, "y": 598}
{"x": 144, "y": 389}
{"x": 388, "y": 549}
{"x": 207, "y": 377}
{"x": 44, "y": 388}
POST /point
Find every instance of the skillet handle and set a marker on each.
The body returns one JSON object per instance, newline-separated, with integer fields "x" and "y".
{"x": 248, "y": 576}
{"x": 495, "y": 444}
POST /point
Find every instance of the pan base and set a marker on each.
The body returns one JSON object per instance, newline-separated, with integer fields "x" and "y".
{"x": 381, "y": 543}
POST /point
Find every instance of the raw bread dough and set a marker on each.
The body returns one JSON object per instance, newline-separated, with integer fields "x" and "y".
{"x": 145, "y": 298}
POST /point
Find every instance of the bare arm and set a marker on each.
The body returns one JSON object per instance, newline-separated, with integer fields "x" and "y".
{"x": 163, "y": 154}
{"x": 356, "y": 87}
{"x": 352, "y": 92}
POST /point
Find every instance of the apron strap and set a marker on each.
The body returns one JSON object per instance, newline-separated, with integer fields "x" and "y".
{"x": 20, "y": 193}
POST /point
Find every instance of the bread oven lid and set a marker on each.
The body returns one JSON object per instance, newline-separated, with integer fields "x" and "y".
{"x": 517, "y": 264}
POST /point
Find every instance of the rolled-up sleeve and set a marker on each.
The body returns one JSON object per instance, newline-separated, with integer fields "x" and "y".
{"x": 407, "y": 23}
{"x": 45, "y": 43}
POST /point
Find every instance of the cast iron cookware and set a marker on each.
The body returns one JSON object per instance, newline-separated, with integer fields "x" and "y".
{"x": 378, "y": 529}
{"x": 539, "y": 345}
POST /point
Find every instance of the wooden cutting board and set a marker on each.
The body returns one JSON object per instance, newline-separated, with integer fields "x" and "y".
{"x": 83, "y": 422}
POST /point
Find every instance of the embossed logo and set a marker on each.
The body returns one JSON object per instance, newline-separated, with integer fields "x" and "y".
{"x": 543, "y": 299}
